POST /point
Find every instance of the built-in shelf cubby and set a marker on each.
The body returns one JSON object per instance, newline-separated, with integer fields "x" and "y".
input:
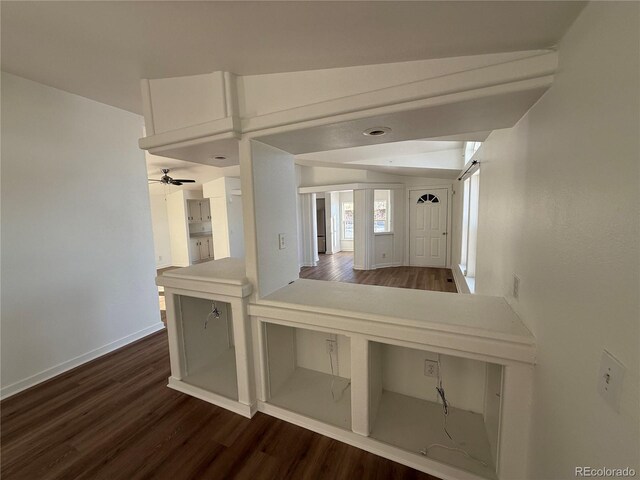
{"x": 209, "y": 350}
{"x": 407, "y": 411}
{"x": 333, "y": 358}
{"x": 208, "y": 327}
{"x": 309, "y": 373}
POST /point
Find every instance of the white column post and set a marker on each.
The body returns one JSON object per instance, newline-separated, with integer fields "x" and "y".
{"x": 243, "y": 347}
{"x": 515, "y": 421}
{"x": 360, "y": 385}
{"x": 309, "y": 229}
{"x": 363, "y": 243}
{"x": 174, "y": 332}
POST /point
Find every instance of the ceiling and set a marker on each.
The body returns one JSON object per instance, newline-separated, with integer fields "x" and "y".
{"x": 100, "y": 50}
{"x": 426, "y": 158}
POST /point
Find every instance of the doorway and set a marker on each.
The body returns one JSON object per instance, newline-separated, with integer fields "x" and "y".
{"x": 428, "y": 220}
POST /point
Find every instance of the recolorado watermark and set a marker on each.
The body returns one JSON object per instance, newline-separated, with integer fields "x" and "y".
{"x": 605, "y": 472}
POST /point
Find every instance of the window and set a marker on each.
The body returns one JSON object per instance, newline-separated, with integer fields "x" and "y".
{"x": 382, "y": 211}
{"x": 429, "y": 198}
{"x": 470, "y": 228}
{"x": 347, "y": 220}
{"x": 469, "y": 149}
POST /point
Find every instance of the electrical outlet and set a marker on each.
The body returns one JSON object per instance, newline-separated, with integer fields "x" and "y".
{"x": 430, "y": 368}
{"x": 281, "y": 241}
{"x": 516, "y": 286}
{"x": 160, "y": 258}
{"x": 610, "y": 380}
{"x": 384, "y": 255}
{"x": 332, "y": 345}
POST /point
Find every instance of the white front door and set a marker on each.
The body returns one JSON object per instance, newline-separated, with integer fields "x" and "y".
{"x": 428, "y": 227}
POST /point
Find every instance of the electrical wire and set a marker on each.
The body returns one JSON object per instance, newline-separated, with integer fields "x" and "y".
{"x": 445, "y": 413}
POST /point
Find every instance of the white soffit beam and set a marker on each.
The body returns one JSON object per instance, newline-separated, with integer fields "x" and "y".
{"x": 476, "y": 114}
{"x": 477, "y": 100}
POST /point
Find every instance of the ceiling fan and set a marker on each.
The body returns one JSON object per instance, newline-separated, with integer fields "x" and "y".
{"x": 167, "y": 180}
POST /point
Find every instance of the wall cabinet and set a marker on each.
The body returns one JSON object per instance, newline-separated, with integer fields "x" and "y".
{"x": 201, "y": 248}
{"x": 199, "y": 211}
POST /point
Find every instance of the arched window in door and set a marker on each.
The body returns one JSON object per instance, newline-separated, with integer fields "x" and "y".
{"x": 428, "y": 198}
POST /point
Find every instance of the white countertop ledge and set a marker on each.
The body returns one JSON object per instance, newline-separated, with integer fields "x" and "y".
{"x": 475, "y": 315}
{"x": 226, "y": 276}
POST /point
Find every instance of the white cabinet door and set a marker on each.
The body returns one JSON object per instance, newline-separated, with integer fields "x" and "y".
{"x": 205, "y": 210}
{"x": 204, "y": 248}
{"x": 194, "y": 250}
{"x": 194, "y": 214}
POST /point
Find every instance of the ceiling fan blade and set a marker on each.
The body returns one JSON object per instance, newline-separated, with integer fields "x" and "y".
{"x": 153, "y": 180}
{"x": 175, "y": 182}
{"x": 183, "y": 180}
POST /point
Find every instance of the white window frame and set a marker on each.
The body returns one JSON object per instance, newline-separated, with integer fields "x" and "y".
{"x": 343, "y": 221}
{"x": 389, "y": 209}
{"x": 469, "y": 238}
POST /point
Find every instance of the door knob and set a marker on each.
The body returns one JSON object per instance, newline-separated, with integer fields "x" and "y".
{"x": 444, "y": 233}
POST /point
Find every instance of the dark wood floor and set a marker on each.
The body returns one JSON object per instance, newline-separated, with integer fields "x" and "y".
{"x": 339, "y": 268}
{"x": 114, "y": 418}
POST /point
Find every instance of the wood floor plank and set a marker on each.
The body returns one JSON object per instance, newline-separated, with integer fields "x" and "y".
{"x": 339, "y": 268}
{"x": 114, "y": 418}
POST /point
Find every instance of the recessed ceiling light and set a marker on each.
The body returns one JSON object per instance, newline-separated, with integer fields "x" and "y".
{"x": 219, "y": 157}
{"x": 376, "y": 131}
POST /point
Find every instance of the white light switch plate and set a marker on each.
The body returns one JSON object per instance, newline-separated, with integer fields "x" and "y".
{"x": 610, "y": 379}
{"x": 281, "y": 241}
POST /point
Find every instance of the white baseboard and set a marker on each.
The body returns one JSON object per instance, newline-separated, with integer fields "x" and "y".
{"x": 387, "y": 265}
{"x": 75, "y": 362}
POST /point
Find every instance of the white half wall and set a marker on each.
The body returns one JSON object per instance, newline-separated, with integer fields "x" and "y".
{"x": 559, "y": 207}
{"x": 77, "y": 249}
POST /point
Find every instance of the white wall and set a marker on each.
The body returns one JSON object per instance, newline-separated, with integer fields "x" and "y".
{"x": 463, "y": 379}
{"x": 178, "y": 228}
{"x": 311, "y": 352}
{"x": 269, "y": 191}
{"x": 559, "y": 207}
{"x": 160, "y": 223}
{"x": 77, "y": 248}
{"x": 236, "y": 226}
{"x": 226, "y": 216}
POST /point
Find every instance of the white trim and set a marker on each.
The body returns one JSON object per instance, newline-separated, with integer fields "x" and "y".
{"x": 349, "y": 186}
{"x": 49, "y": 373}
{"x": 369, "y": 444}
{"x": 213, "y": 398}
{"x": 460, "y": 280}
